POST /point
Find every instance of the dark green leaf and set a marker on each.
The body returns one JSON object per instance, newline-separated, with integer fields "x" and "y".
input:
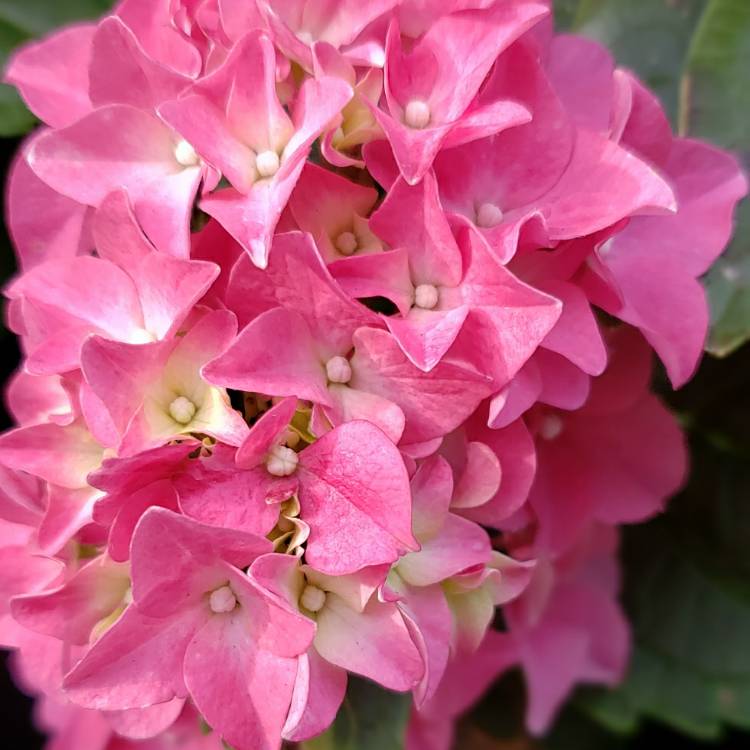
{"x": 20, "y": 21}
{"x": 36, "y": 17}
{"x": 650, "y": 37}
{"x": 716, "y": 106}
{"x": 688, "y": 595}
{"x": 371, "y": 718}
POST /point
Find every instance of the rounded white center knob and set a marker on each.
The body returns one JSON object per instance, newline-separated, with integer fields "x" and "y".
{"x": 346, "y": 243}
{"x": 222, "y": 600}
{"x": 417, "y": 114}
{"x": 282, "y": 461}
{"x": 313, "y": 599}
{"x": 426, "y": 296}
{"x": 489, "y": 215}
{"x": 338, "y": 370}
{"x": 267, "y": 163}
{"x": 186, "y": 155}
{"x": 182, "y": 410}
{"x": 551, "y": 427}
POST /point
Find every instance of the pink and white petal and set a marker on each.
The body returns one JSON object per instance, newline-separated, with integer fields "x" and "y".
{"x": 412, "y": 218}
{"x": 60, "y": 455}
{"x": 349, "y": 404}
{"x": 120, "y": 374}
{"x": 426, "y": 335}
{"x": 431, "y": 489}
{"x": 138, "y": 154}
{"x": 375, "y": 643}
{"x": 461, "y": 544}
{"x": 428, "y": 617}
{"x": 379, "y": 366}
{"x": 514, "y": 447}
{"x": 122, "y": 73}
{"x": 161, "y": 494}
{"x": 356, "y": 589}
{"x": 71, "y": 611}
{"x": 480, "y": 478}
{"x": 604, "y": 183}
{"x": 226, "y": 496}
{"x": 117, "y": 235}
{"x": 68, "y": 511}
{"x": 168, "y": 288}
{"x": 377, "y": 275}
{"x": 319, "y": 690}
{"x": 176, "y": 560}
{"x": 266, "y": 433}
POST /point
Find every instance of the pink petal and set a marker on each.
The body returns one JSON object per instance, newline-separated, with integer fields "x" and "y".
{"x": 136, "y": 663}
{"x": 374, "y": 643}
{"x": 52, "y": 75}
{"x": 43, "y": 224}
{"x": 241, "y": 690}
{"x": 137, "y": 154}
{"x": 257, "y": 362}
{"x": 71, "y": 611}
{"x": 379, "y": 366}
{"x": 319, "y": 691}
{"x": 362, "y": 493}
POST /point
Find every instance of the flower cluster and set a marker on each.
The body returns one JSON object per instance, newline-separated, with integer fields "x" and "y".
{"x": 337, "y": 321}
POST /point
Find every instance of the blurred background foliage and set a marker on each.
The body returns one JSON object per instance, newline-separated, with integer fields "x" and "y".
{"x": 687, "y": 574}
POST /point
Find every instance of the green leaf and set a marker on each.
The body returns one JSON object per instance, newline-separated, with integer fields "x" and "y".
{"x": 15, "y": 119}
{"x": 716, "y": 106}
{"x": 688, "y": 596}
{"x": 371, "y": 718}
{"x": 651, "y": 37}
{"x": 565, "y": 14}
{"x": 36, "y": 17}
{"x": 20, "y": 21}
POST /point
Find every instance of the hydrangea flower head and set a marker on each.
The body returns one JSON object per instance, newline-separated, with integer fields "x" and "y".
{"x": 338, "y": 326}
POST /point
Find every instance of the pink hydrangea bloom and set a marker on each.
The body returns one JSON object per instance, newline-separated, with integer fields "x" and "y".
{"x": 315, "y": 376}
